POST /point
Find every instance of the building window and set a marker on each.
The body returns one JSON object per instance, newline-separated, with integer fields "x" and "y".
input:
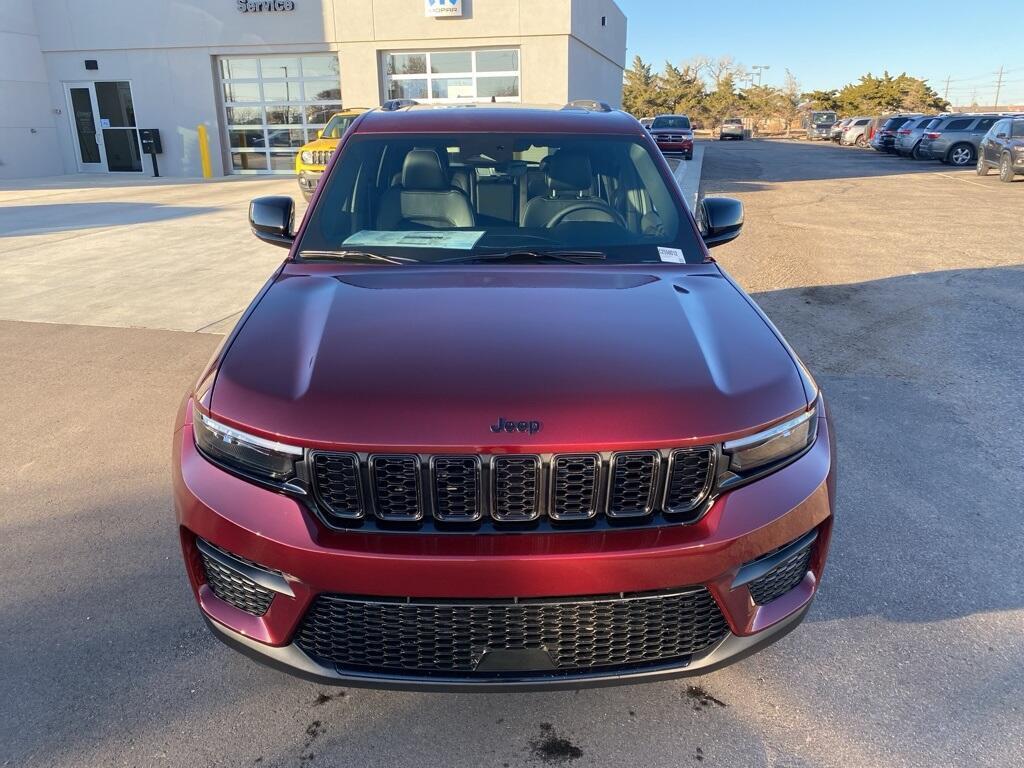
{"x": 275, "y": 104}
{"x": 453, "y": 76}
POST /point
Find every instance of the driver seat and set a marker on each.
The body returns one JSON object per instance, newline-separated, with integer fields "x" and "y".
{"x": 569, "y": 177}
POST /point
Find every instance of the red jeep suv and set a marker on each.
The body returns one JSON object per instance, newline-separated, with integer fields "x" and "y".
{"x": 499, "y": 421}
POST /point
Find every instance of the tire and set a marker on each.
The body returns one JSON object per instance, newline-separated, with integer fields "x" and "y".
{"x": 861, "y": 141}
{"x": 1005, "y": 168}
{"x": 688, "y": 157}
{"x": 915, "y": 153}
{"x": 961, "y": 155}
{"x": 981, "y": 167}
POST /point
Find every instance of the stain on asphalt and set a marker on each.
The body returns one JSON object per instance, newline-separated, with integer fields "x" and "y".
{"x": 322, "y": 698}
{"x": 552, "y": 748}
{"x": 698, "y": 755}
{"x": 702, "y": 699}
{"x": 313, "y": 731}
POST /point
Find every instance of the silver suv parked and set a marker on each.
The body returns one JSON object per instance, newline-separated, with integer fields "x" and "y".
{"x": 856, "y": 132}
{"x": 908, "y": 137}
{"x": 954, "y": 139}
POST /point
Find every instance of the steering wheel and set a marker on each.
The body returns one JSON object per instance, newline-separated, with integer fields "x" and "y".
{"x": 584, "y": 205}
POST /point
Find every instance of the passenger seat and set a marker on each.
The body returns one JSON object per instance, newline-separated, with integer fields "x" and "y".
{"x": 425, "y": 198}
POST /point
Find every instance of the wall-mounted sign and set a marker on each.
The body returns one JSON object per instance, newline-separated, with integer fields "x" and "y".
{"x": 265, "y": 6}
{"x": 443, "y": 8}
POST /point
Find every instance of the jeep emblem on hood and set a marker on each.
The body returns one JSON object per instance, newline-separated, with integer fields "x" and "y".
{"x": 533, "y": 427}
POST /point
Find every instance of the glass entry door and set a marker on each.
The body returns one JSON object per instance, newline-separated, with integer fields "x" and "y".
{"x": 103, "y": 123}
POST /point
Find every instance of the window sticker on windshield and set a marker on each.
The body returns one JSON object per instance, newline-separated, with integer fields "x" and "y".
{"x": 461, "y": 240}
{"x": 673, "y": 255}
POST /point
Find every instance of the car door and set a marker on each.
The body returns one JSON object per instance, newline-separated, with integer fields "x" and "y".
{"x": 980, "y": 128}
{"x": 995, "y": 139}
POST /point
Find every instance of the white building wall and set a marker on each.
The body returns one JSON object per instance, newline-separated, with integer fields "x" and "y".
{"x": 28, "y": 134}
{"x": 166, "y": 49}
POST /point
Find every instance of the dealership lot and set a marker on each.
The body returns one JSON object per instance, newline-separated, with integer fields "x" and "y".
{"x": 900, "y": 284}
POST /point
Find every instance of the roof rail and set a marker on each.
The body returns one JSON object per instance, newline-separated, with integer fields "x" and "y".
{"x": 590, "y": 105}
{"x": 392, "y": 105}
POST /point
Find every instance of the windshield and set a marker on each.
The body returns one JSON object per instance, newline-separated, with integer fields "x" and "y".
{"x": 336, "y": 128}
{"x": 734, "y": 121}
{"x": 823, "y": 118}
{"x": 437, "y": 197}
{"x": 679, "y": 122}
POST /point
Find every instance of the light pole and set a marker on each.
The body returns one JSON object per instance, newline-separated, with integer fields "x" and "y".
{"x": 759, "y": 69}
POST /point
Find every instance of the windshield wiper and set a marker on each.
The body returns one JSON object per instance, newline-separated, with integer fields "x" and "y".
{"x": 361, "y": 256}
{"x": 571, "y": 256}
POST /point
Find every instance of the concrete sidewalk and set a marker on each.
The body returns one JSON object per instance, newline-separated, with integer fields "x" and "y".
{"x": 167, "y": 254}
{"x": 145, "y": 253}
{"x": 687, "y": 173}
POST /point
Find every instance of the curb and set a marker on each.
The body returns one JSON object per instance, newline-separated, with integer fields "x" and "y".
{"x": 687, "y": 175}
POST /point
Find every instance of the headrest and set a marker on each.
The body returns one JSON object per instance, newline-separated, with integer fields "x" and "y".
{"x": 422, "y": 171}
{"x": 569, "y": 172}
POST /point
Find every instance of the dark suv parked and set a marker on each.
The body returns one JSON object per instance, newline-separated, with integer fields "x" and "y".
{"x": 1003, "y": 148}
{"x": 884, "y": 139}
{"x": 954, "y": 139}
{"x": 500, "y": 421}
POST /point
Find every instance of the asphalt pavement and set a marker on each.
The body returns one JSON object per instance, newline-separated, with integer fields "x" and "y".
{"x": 899, "y": 283}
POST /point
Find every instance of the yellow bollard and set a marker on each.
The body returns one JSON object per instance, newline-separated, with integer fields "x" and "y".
{"x": 204, "y": 151}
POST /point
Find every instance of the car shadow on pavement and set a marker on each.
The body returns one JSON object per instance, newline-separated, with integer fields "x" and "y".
{"x": 922, "y": 373}
{"x": 20, "y": 220}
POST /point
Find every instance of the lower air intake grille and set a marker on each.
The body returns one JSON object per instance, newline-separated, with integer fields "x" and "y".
{"x": 579, "y": 634}
{"x": 782, "y": 578}
{"x": 234, "y": 588}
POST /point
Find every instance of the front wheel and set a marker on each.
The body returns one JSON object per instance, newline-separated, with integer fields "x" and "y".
{"x": 961, "y": 155}
{"x": 1005, "y": 169}
{"x": 981, "y": 168}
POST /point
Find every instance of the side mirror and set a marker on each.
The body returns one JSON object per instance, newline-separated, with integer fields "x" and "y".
{"x": 271, "y": 220}
{"x": 1000, "y": 135}
{"x": 320, "y": 133}
{"x": 720, "y": 220}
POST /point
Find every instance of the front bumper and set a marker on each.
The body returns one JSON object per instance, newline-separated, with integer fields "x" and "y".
{"x": 308, "y": 179}
{"x": 277, "y": 532}
{"x": 686, "y": 146}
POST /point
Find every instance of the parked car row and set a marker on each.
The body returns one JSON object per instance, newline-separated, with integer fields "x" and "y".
{"x": 987, "y": 141}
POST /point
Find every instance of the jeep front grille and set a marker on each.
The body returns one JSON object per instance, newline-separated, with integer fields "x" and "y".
{"x": 321, "y": 156}
{"x": 506, "y": 492}
{"x": 420, "y": 637}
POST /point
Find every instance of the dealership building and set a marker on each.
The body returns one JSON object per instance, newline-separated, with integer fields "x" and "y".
{"x": 237, "y": 86}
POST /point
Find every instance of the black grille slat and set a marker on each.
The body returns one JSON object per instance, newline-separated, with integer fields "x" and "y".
{"x": 336, "y": 484}
{"x": 516, "y": 488}
{"x": 422, "y": 637}
{"x": 782, "y": 578}
{"x": 574, "y": 487}
{"x": 396, "y": 487}
{"x": 633, "y": 484}
{"x": 689, "y": 479}
{"x": 457, "y": 488}
{"x": 234, "y": 588}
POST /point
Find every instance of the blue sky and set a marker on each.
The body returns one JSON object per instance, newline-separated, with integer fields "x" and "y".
{"x": 828, "y": 44}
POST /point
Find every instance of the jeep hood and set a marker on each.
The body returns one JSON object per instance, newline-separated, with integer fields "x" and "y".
{"x": 429, "y": 358}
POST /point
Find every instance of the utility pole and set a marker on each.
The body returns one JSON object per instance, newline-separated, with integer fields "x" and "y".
{"x": 945, "y": 93}
{"x": 999, "y": 87}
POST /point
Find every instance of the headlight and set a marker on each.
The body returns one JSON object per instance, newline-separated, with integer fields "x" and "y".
{"x": 773, "y": 444}
{"x": 307, "y": 157}
{"x": 246, "y": 453}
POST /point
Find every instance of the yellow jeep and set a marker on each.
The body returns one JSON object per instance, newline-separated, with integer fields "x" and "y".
{"x": 312, "y": 157}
